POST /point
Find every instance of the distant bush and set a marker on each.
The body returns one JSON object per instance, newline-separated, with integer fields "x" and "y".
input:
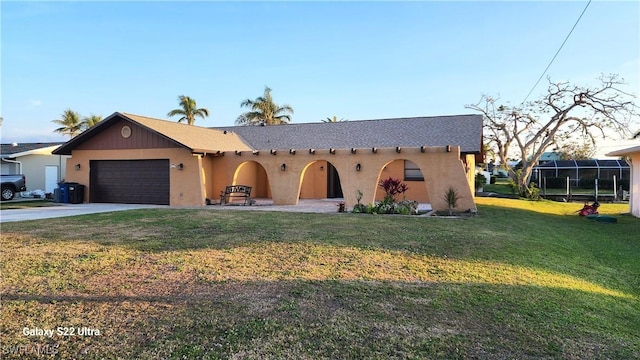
{"x": 589, "y": 183}
{"x": 586, "y": 183}
{"x": 556, "y": 182}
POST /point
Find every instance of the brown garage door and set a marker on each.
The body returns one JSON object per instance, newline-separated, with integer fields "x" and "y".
{"x": 130, "y": 181}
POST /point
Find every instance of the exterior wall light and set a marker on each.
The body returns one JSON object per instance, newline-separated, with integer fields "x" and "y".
{"x": 78, "y": 167}
{"x": 353, "y": 150}
{"x": 358, "y": 167}
{"x": 256, "y": 152}
{"x": 180, "y": 166}
{"x": 374, "y": 150}
{"x": 422, "y": 149}
{"x": 312, "y": 151}
{"x": 283, "y": 167}
{"x": 398, "y": 149}
{"x": 239, "y": 153}
{"x": 273, "y": 152}
{"x": 448, "y": 148}
{"x": 292, "y": 151}
{"x": 332, "y": 151}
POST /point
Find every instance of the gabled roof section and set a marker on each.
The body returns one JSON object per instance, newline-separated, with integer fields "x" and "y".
{"x": 462, "y": 130}
{"x": 40, "y": 151}
{"x": 195, "y": 138}
{"x": 9, "y": 150}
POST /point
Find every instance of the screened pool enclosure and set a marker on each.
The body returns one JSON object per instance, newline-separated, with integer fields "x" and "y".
{"x": 583, "y": 171}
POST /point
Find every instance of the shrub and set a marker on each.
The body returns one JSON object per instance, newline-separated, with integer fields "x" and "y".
{"x": 556, "y": 182}
{"x": 393, "y": 187}
{"x": 407, "y": 207}
{"x": 480, "y": 180}
{"x": 451, "y": 197}
{"x": 388, "y": 205}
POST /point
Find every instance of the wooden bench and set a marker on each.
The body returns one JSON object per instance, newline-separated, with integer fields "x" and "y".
{"x": 236, "y": 191}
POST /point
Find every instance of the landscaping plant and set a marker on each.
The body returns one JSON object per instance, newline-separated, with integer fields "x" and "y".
{"x": 451, "y": 197}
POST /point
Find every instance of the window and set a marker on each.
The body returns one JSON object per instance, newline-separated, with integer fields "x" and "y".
{"x": 412, "y": 172}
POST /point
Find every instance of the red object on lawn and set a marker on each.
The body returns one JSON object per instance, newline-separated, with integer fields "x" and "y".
{"x": 589, "y": 209}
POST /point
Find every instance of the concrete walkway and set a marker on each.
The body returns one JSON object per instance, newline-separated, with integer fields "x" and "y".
{"x": 62, "y": 210}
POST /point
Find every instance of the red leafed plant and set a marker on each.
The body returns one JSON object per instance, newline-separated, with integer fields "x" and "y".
{"x": 393, "y": 187}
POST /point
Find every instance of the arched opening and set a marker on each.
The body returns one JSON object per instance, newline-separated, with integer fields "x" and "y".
{"x": 253, "y": 174}
{"x": 409, "y": 173}
{"x": 334, "y": 187}
{"x": 320, "y": 180}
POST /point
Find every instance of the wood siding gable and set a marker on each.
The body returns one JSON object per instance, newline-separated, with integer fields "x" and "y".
{"x": 112, "y": 138}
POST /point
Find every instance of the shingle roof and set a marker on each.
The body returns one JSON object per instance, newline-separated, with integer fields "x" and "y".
{"x": 9, "y": 149}
{"x": 462, "y": 130}
{"x": 194, "y": 137}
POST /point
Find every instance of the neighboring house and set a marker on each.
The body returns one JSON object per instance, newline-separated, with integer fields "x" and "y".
{"x": 135, "y": 159}
{"x": 548, "y": 156}
{"x": 42, "y": 169}
{"x": 632, "y": 153}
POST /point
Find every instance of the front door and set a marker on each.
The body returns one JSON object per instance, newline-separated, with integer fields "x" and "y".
{"x": 334, "y": 189}
{"x": 50, "y": 178}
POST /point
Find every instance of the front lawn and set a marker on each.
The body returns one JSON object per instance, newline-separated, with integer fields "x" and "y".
{"x": 520, "y": 280}
{"x": 26, "y": 204}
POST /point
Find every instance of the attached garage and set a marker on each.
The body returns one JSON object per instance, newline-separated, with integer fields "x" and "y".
{"x": 130, "y": 181}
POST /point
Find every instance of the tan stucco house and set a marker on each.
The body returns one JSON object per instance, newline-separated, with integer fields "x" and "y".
{"x": 633, "y": 158}
{"x": 129, "y": 158}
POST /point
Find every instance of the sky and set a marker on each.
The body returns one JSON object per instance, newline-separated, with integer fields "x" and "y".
{"x": 355, "y": 60}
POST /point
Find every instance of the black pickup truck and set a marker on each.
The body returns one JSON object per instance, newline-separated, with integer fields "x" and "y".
{"x": 12, "y": 184}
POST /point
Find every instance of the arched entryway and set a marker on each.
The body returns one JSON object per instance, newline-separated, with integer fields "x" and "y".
{"x": 320, "y": 180}
{"x": 253, "y": 174}
{"x": 409, "y": 173}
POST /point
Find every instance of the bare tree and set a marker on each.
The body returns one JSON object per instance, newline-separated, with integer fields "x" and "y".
{"x": 565, "y": 111}
{"x": 576, "y": 150}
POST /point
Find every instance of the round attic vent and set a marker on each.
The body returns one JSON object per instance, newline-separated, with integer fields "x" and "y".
{"x": 125, "y": 132}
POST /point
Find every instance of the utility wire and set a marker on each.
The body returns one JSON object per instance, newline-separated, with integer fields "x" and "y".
{"x": 554, "y": 56}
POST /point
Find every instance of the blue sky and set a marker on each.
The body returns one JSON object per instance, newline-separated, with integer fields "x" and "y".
{"x": 354, "y": 60}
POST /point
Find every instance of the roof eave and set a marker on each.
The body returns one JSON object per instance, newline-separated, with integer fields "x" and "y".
{"x": 624, "y": 152}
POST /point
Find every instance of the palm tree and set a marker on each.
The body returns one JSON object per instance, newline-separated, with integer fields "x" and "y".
{"x": 334, "y": 119}
{"x": 70, "y": 123}
{"x": 189, "y": 110}
{"x": 90, "y": 121}
{"x": 264, "y": 111}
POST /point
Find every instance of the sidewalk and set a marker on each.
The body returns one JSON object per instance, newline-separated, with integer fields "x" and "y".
{"x": 62, "y": 210}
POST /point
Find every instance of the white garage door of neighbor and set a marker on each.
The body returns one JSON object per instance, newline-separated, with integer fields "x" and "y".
{"x": 50, "y": 178}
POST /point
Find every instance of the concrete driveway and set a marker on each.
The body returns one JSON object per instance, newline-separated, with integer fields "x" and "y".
{"x": 62, "y": 210}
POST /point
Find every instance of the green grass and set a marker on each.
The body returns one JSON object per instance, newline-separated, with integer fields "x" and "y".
{"x": 520, "y": 280}
{"x": 12, "y": 205}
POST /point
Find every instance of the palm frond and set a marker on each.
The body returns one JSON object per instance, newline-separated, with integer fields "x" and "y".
{"x": 188, "y": 111}
{"x": 264, "y": 111}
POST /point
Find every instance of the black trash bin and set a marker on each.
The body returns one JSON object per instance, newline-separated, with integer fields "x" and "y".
{"x": 76, "y": 193}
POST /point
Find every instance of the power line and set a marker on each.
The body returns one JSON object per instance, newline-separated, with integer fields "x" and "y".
{"x": 554, "y": 56}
